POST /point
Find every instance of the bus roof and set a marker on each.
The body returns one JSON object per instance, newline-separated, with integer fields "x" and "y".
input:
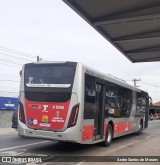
{"x": 111, "y": 78}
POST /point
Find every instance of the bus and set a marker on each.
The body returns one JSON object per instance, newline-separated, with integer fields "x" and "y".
{"x": 68, "y": 101}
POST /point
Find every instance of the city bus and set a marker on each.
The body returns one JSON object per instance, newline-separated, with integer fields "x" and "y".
{"x": 70, "y": 102}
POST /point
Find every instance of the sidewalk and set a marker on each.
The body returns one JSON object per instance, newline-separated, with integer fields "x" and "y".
{"x": 147, "y": 147}
{"x": 4, "y": 131}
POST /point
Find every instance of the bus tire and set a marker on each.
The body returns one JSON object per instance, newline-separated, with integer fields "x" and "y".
{"x": 140, "y": 128}
{"x": 108, "y": 136}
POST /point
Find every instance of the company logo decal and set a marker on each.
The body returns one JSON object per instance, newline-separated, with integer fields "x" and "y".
{"x": 45, "y": 124}
{"x": 9, "y": 105}
{"x": 45, "y": 108}
{"x": 44, "y": 119}
{"x": 35, "y": 106}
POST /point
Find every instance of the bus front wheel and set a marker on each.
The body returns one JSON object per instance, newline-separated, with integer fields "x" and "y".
{"x": 108, "y": 136}
{"x": 140, "y": 128}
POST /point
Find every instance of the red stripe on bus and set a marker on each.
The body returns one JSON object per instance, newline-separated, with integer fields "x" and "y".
{"x": 87, "y": 132}
{"x": 122, "y": 126}
{"x": 105, "y": 127}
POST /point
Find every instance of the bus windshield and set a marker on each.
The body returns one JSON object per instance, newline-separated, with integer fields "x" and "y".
{"x": 49, "y": 76}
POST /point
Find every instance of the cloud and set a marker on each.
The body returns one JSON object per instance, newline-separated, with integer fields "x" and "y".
{"x": 55, "y": 32}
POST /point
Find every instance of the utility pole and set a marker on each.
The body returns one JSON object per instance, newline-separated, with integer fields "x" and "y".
{"x": 135, "y": 81}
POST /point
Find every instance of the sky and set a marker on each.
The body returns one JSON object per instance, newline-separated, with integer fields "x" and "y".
{"x": 53, "y": 31}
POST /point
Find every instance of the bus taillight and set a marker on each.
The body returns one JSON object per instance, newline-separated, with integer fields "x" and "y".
{"x": 21, "y": 113}
{"x": 73, "y": 116}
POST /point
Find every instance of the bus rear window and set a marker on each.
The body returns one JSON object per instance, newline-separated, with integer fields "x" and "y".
{"x": 50, "y": 76}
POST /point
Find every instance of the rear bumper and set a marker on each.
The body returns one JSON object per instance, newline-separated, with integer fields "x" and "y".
{"x": 72, "y": 134}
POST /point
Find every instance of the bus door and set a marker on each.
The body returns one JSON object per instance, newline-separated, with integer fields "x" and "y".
{"x": 99, "y": 114}
{"x": 147, "y": 112}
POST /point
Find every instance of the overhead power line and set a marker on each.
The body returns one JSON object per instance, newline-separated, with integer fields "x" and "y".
{"x": 14, "y": 56}
{"x": 10, "y": 80}
{"x": 10, "y": 62}
{"x": 146, "y": 83}
{"x": 153, "y": 92}
{"x": 150, "y": 84}
{"x": 11, "y": 65}
{"x": 7, "y": 92}
{"x": 17, "y": 52}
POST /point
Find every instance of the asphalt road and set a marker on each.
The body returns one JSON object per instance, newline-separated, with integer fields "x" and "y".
{"x": 131, "y": 145}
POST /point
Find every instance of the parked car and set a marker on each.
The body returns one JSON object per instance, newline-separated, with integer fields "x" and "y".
{"x": 15, "y": 119}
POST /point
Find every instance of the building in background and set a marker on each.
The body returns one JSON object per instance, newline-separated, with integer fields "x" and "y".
{"x": 155, "y": 111}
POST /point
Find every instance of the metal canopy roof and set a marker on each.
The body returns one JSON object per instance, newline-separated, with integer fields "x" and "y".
{"x": 132, "y": 26}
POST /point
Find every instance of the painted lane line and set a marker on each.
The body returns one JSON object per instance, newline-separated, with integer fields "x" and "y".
{"x": 80, "y": 163}
{"x": 152, "y": 135}
{"x": 25, "y": 145}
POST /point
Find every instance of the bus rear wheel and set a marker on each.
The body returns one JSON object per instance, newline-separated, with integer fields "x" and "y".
{"x": 108, "y": 136}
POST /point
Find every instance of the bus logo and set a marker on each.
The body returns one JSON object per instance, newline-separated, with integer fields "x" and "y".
{"x": 44, "y": 119}
{"x": 45, "y": 108}
{"x": 35, "y": 106}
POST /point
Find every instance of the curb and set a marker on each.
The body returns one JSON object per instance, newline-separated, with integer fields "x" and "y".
{"x": 5, "y": 131}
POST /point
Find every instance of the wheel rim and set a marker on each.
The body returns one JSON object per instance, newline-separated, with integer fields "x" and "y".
{"x": 109, "y": 135}
{"x": 140, "y": 127}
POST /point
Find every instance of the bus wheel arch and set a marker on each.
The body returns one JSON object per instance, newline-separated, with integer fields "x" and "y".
{"x": 108, "y": 134}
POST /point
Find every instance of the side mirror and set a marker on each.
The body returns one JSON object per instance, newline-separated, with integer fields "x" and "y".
{"x": 20, "y": 73}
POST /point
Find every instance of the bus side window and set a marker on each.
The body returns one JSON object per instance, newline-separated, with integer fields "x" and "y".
{"x": 112, "y": 101}
{"x": 90, "y": 97}
{"x": 126, "y": 106}
{"x": 141, "y": 103}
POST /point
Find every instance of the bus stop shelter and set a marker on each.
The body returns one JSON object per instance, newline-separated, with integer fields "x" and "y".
{"x": 132, "y": 26}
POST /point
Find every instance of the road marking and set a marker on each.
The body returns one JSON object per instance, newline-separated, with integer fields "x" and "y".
{"x": 80, "y": 163}
{"x": 152, "y": 135}
{"x": 120, "y": 147}
{"x": 10, "y": 148}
